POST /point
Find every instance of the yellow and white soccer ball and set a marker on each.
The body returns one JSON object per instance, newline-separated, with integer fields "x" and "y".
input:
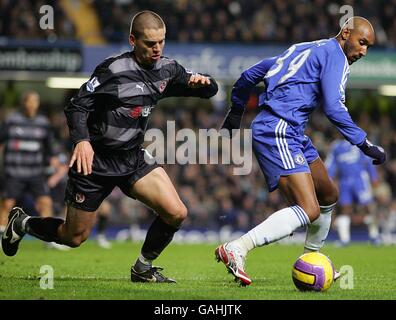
{"x": 313, "y": 271}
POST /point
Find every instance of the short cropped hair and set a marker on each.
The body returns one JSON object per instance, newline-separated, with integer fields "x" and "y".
{"x": 145, "y": 20}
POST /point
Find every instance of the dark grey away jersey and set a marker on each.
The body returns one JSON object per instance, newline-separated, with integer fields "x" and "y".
{"x": 28, "y": 144}
{"x": 111, "y": 110}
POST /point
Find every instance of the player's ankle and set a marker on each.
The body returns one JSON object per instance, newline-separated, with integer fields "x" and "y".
{"x": 142, "y": 264}
{"x": 245, "y": 243}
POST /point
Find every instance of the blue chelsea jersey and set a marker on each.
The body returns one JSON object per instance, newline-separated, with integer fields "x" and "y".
{"x": 304, "y": 76}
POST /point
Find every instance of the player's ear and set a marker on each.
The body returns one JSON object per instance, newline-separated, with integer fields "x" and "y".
{"x": 132, "y": 40}
{"x": 345, "y": 33}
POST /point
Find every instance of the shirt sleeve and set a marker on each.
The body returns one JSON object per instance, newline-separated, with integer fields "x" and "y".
{"x": 178, "y": 87}
{"x": 333, "y": 81}
{"x": 77, "y": 110}
{"x": 248, "y": 80}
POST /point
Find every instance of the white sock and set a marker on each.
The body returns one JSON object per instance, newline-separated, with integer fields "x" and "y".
{"x": 318, "y": 230}
{"x": 277, "y": 226}
{"x": 343, "y": 224}
{"x": 245, "y": 243}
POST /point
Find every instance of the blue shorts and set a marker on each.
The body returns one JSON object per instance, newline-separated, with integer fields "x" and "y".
{"x": 280, "y": 150}
{"x": 356, "y": 191}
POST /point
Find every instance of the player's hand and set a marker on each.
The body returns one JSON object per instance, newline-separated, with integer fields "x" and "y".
{"x": 198, "y": 81}
{"x": 232, "y": 119}
{"x": 83, "y": 154}
{"x": 373, "y": 151}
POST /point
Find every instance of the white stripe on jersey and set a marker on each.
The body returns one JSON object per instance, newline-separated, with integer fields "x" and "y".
{"x": 283, "y": 148}
{"x": 344, "y": 79}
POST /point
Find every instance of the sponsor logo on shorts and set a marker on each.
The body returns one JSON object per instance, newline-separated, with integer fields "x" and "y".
{"x": 299, "y": 159}
{"x": 80, "y": 198}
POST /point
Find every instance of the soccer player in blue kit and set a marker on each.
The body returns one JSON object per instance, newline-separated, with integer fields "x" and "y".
{"x": 356, "y": 175}
{"x": 297, "y": 81}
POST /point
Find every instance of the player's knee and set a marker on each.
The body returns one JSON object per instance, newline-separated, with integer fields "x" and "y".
{"x": 329, "y": 196}
{"x": 73, "y": 242}
{"x": 179, "y": 213}
{"x": 75, "y": 239}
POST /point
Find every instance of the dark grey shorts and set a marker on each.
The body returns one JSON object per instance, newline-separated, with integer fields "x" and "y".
{"x": 88, "y": 192}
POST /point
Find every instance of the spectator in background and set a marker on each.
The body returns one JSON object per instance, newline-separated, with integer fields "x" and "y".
{"x": 228, "y": 21}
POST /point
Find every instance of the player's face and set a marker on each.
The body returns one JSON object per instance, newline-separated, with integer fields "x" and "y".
{"x": 31, "y": 105}
{"x": 357, "y": 44}
{"x": 148, "y": 47}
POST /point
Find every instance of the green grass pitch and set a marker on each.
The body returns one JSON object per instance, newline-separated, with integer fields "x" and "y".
{"x": 90, "y": 272}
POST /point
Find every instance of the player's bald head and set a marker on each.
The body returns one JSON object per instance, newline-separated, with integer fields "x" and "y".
{"x": 355, "y": 37}
{"x": 360, "y": 26}
{"x": 145, "y": 20}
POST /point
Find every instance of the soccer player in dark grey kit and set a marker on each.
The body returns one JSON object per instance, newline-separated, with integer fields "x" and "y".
{"x": 107, "y": 120}
{"x": 28, "y": 148}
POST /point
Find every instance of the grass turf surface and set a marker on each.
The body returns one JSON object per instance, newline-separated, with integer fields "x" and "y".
{"x": 90, "y": 272}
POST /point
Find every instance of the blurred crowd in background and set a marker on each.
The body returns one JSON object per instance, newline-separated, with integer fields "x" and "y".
{"x": 245, "y": 21}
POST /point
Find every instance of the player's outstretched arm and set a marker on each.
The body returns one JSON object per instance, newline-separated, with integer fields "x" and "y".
{"x": 241, "y": 91}
{"x": 202, "y": 86}
{"x": 248, "y": 80}
{"x": 198, "y": 85}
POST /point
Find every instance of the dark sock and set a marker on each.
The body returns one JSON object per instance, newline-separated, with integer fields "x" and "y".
{"x": 102, "y": 223}
{"x": 44, "y": 228}
{"x": 159, "y": 235}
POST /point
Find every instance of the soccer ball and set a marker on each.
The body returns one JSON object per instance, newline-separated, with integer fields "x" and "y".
{"x": 313, "y": 271}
